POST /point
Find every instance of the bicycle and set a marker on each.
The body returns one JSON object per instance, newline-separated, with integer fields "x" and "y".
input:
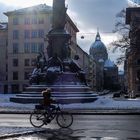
{"x": 41, "y": 116}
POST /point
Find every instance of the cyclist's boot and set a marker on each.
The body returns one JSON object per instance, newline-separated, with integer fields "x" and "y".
{"x": 46, "y": 121}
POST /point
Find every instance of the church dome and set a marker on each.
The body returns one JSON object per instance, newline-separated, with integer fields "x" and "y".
{"x": 98, "y": 49}
{"x": 109, "y": 64}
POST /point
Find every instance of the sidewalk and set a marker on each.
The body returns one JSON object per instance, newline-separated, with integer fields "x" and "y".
{"x": 9, "y": 132}
{"x": 97, "y": 111}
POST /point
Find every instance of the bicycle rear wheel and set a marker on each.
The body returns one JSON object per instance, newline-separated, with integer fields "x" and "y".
{"x": 37, "y": 119}
{"x": 64, "y": 119}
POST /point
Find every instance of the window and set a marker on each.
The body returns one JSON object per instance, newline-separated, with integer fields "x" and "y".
{"x": 40, "y": 47}
{"x": 15, "y": 62}
{"x": 138, "y": 75}
{"x": 33, "y": 62}
{"x": 27, "y": 62}
{"x": 24, "y": 86}
{"x": 27, "y": 34}
{"x": 27, "y": 20}
{"x": 41, "y": 20}
{"x": 34, "y": 33}
{"x": 27, "y": 47}
{"x": 15, "y": 88}
{"x": 26, "y": 75}
{"x": 138, "y": 62}
{"x": 34, "y": 48}
{"x": 15, "y": 48}
{"x": 41, "y": 33}
{"x": 6, "y": 67}
{"x": 15, "y": 75}
{"x": 138, "y": 88}
{"x": 15, "y": 21}
{"x": 34, "y": 20}
{"x": 15, "y": 34}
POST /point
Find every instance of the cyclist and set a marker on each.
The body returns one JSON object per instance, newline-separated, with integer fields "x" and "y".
{"x": 48, "y": 102}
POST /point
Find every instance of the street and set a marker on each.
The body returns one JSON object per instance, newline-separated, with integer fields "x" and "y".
{"x": 86, "y": 126}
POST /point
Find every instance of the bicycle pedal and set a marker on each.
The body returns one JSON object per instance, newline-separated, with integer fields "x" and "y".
{"x": 48, "y": 121}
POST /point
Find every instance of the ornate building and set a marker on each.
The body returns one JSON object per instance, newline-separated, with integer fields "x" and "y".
{"x": 132, "y": 64}
{"x": 104, "y": 67}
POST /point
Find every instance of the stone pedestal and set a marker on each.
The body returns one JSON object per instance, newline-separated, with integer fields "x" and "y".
{"x": 58, "y": 44}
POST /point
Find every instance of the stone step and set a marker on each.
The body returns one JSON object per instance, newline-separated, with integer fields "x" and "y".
{"x": 58, "y": 85}
{"x": 58, "y": 95}
{"x": 60, "y": 89}
{"x": 62, "y": 93}
{"x": 37, "y": 100}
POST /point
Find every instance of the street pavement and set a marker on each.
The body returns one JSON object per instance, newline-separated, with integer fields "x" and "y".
{"x": 85, "y": 127}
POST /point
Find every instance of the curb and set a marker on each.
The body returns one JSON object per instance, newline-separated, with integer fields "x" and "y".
{"x": 87, "y": 112}
{"x": 20, "y": 134}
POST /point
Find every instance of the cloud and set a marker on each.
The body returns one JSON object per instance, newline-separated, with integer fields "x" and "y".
{"x": 25, "y": 3}
{"x": 5, "y": 8}
{"x": 97, "y": 13}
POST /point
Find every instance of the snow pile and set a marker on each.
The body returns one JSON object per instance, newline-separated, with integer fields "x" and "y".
{"x": 5, "y": 103}
{"x": 107, "y": 103}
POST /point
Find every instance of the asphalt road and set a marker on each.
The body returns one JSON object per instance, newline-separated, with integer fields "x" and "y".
{"x": 109, "y": 127}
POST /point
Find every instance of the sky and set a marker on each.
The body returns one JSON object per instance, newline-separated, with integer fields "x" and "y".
{"x": 88, "y": 15}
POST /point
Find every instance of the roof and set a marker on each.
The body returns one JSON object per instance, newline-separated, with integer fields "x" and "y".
{"x": 109, "y": 64}
{"x": 3, "y": 26}
{"x": 121, "y": 72}
{"x": 37, "y": 8}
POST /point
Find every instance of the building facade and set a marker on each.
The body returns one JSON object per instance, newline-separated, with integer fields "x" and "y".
{"x": 27, "y": 30}
{"x": 3, "y": 57}
{"x": 88, "y": 65}
{"x": 132, "y": 64}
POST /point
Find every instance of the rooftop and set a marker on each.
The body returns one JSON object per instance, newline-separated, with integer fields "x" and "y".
{"x": 36, "y": 8}
{"x": 3, "y": 26}
{"x": 109, "y": 64}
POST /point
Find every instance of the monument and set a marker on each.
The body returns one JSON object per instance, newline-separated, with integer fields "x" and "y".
{"x": 58, "y": 38}
{"x": 59, "y": 72}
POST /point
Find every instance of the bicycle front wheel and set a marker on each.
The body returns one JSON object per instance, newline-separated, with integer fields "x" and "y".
{"x": 64, "y": 119}
{"x": 37, "y": 119}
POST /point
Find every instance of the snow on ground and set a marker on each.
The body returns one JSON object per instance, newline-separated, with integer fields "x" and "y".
{"x": 103, "y": 102}
{"x": 5, "y": 104}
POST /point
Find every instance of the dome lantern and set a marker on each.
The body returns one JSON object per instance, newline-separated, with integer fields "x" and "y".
{"x": 98, "y": 49}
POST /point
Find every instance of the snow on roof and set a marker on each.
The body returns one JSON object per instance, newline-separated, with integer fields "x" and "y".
{"x": 40, "y": 7}
{"x": 121, "y": 72}
{"x": 109, "y": 63}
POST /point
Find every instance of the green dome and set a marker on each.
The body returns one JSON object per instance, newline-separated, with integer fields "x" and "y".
{"x": 98, "y": 49}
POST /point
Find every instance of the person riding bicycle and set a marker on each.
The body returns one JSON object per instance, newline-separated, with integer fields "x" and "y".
{"x": 48, "y": 101}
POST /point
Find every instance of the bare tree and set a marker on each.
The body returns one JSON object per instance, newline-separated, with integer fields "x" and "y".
{"x": 122, "y": 31}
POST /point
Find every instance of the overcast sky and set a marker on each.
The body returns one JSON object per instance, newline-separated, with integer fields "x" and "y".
{"x": 88, "y": 15}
